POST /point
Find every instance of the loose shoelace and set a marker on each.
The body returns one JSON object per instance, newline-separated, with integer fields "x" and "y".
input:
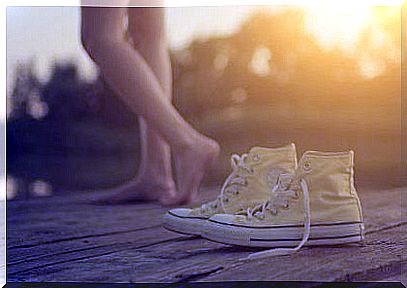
{"x": 240, "y": 169}
{"x": 281, "y": 201}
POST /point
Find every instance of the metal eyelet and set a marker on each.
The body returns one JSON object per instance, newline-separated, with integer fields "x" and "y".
{"x": 256, "y": 157}
{"x": 307, "y": 166}
{"x": 226, "y": 200}
{"x": 286, "y": 205}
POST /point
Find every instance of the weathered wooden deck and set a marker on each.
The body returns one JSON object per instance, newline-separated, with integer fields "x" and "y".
{"x": 67, "y": 239}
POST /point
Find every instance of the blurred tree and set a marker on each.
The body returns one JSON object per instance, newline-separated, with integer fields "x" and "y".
{"x": 26, "y": 86}
{"x": 61, "y": 93}
{"x": 269, "y": 82}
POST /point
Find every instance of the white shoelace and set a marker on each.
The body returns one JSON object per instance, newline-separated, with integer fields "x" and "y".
{"x": 238, "y": 164}
{"x": 307, "y": 224}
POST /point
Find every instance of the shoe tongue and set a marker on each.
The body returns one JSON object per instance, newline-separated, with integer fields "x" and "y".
{"x": 255, "y": 151}
{"x": 260, "y": 150}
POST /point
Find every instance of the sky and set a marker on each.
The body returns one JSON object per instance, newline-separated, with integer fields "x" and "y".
{"x": 48, "y": 33}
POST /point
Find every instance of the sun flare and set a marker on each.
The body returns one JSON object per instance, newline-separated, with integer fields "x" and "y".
{"x": 337, "y": 25}
{"x": 365, "y": 33}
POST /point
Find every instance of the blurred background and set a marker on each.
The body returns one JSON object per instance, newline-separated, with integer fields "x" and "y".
{"x": 327, "y": 78}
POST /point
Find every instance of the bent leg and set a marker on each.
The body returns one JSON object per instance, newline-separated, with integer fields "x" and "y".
{"x": 154, "y": 177}
{"x": 132, "y": 78}
{"x": 155, "y": 151}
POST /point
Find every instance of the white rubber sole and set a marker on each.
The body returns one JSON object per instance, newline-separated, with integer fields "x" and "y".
{"x": 283, "y": 236}
{"x": 183, "y": 224}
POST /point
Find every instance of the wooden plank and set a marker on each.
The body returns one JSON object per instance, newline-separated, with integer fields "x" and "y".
{"x": 86, "y": 229}
{"x": 40, "y": 209}
{"x": 93, "y": 221}
{"x": 180, "y": 258}
{"x": 25, "y": 214}
{"x": 80, "y": 220}
{"x": 37, "y": 206}
{"x": 74, "y": 233}
{"x": 88, "y": 250}
{"x": 381, "y": 208}
{"x": 378, "y": 258}
{"x": 87, "y": 223}
{"x": 55, "y": 220}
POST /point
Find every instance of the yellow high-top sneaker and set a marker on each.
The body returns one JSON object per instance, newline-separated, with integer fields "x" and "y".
{"x": 316, "y": 205}
{"x": 254, "y": 175}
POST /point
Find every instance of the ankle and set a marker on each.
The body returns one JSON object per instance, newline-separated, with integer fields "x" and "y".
{"x": 154, "y": 176}
{"x": 193, "y": 142}
{"x": 185, "y": 144}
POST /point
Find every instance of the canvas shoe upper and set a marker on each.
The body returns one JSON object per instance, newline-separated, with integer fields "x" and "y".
{"x": 317, "y": 204}
{"x": 253, "y": 176}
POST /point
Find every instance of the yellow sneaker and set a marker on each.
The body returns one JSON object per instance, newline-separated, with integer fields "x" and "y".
{"x": 316, "y": 205}
{"x": 254, "y": 175}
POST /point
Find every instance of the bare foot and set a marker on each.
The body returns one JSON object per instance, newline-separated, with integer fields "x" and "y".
{"x": 139, "y": 190}
{"x": 190, "y": 165}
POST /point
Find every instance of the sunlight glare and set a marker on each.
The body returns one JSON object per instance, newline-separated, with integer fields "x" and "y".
{"x": 260, "y": 63}
{"x": 337, "y": 25}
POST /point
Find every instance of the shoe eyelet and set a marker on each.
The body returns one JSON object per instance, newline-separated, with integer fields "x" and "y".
{"x": 307, "y": 166}
{"x": 226, "y": 200}
{"x": 237, "y": 192}
{"x": 256, "y": 157}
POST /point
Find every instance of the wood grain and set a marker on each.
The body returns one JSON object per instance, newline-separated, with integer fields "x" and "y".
{"x": 68, "y": 239}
